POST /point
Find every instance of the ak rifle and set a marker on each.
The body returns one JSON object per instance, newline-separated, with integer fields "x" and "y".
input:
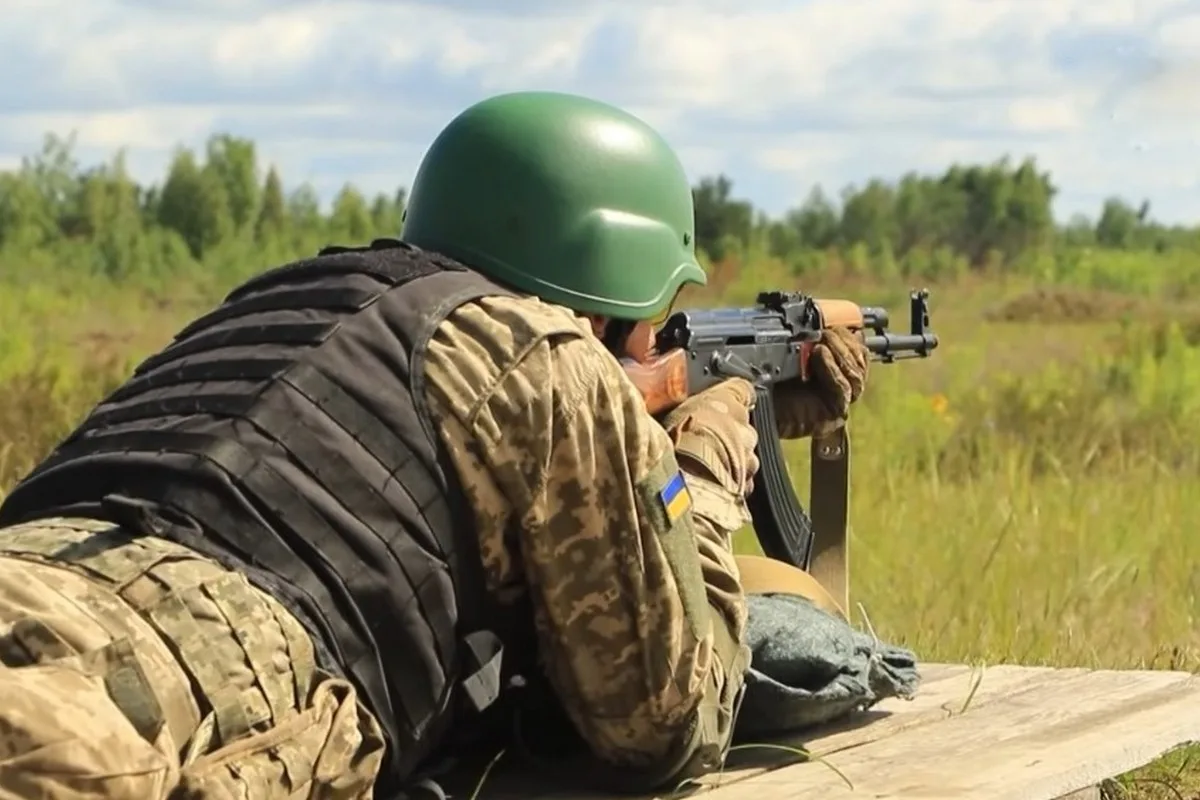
{"x": 767, "y": 344}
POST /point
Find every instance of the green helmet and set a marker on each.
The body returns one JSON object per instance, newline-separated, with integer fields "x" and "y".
{"x": 560, "y": 196}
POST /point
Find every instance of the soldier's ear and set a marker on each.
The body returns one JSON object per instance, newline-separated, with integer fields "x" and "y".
{"x": 599, "y": 324}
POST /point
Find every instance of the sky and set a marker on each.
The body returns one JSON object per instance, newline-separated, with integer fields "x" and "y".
{"x": 780, "y": 95}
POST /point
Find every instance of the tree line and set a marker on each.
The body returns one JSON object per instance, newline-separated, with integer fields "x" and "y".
{"x": 218, "y": 212}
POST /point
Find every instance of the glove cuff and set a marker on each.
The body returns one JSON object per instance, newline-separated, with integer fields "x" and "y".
{"x": 708, "y": 459}
{"x": 725, "y": 511}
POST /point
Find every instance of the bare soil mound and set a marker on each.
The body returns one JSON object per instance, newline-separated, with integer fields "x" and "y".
{"x": 1067, "y": 305}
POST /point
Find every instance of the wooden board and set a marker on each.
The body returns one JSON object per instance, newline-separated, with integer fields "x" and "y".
{"x": 1001, "y": 732}
{"x": 1051, "y": 733}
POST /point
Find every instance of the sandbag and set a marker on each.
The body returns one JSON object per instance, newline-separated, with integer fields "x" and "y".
{"x": 809, "y": 666}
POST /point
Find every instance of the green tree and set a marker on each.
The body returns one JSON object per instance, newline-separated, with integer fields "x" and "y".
{"x": 195, "y": 204}
{"x": 351, "y": 218}
{"x": 721, "y": 221}
{"x": 272, "y": 213}
{"x": 304, "y": 209}
{"x": 817, "y": 221}
{"x": 234, "y": 163}
{"x": 1118, "y": 224}
{"x": 869, "y": 216}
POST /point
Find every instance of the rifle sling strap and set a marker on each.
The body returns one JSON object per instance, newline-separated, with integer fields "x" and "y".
{"x": 762, "y": 575}
{"x": 829, "y": 501}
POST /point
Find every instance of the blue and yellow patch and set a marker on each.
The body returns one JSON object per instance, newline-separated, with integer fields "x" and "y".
{"x": 675, "y": 497}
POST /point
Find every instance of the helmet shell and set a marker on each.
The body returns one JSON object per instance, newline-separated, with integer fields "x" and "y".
{"x": 561, "y": 196}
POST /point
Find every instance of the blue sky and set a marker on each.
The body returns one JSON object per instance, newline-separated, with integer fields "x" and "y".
{"x": 778, "y": 95}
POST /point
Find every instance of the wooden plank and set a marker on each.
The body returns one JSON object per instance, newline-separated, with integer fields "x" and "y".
{"x": 944, "y": 690}
{"x": 1028, "y": 732}
{"x": 1049, "y": 737}
{"x": 1090, "y": 793}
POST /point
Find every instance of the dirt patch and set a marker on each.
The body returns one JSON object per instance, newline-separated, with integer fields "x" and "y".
{"x": 1067, "y": 305}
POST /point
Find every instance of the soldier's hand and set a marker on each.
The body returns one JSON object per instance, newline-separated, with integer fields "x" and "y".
{"x": 712, "y": 432}
{"x": 838, "y": 367}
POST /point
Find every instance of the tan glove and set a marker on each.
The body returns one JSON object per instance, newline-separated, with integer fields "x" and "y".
{"x": 713, "y": 437}
{"x": 838, "y": 368}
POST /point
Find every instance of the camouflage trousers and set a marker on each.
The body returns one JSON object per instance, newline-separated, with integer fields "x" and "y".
{"x": 131, "y": 667}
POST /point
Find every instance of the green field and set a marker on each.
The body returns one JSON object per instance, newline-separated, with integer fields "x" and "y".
{"x": 1026, "y": 495}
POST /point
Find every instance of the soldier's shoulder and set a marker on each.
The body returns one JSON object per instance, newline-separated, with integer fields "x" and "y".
{"x": 507, "y": 327}
{"x": 513, "y": 349}
{"x": 533, "y": 316}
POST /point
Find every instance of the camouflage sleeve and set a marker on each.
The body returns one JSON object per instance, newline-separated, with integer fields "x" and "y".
{"x": 579, "y": 502}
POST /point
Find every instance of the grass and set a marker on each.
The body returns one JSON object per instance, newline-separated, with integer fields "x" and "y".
{"x": 1026, "y": 495}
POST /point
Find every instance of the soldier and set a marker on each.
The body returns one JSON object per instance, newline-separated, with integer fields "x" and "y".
{"x": 304, "y": 548}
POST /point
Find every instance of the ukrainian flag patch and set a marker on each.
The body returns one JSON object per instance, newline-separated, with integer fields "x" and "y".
{"x": 675, "y": 497}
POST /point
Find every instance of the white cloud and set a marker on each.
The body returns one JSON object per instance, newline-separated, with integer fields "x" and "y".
{"x": 1047, "y": 114}
{"x": 780, "y": 94}
{"x": 136, "y": 128}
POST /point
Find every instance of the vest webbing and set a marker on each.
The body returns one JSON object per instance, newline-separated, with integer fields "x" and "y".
{"x": 285, "y": 434}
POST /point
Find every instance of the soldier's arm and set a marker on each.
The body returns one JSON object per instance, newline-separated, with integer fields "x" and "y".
{"x": 637, "y": 602}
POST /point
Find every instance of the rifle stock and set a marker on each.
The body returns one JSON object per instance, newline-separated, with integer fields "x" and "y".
{"x": 661, "y": 380}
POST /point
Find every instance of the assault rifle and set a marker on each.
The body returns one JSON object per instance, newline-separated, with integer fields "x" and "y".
{"x": 767, "y": 344}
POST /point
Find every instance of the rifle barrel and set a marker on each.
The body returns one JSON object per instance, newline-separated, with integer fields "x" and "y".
{"x": 886, "y": 344}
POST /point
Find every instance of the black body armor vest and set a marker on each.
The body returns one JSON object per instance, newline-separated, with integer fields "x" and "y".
{"x": 285, "y": 434}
